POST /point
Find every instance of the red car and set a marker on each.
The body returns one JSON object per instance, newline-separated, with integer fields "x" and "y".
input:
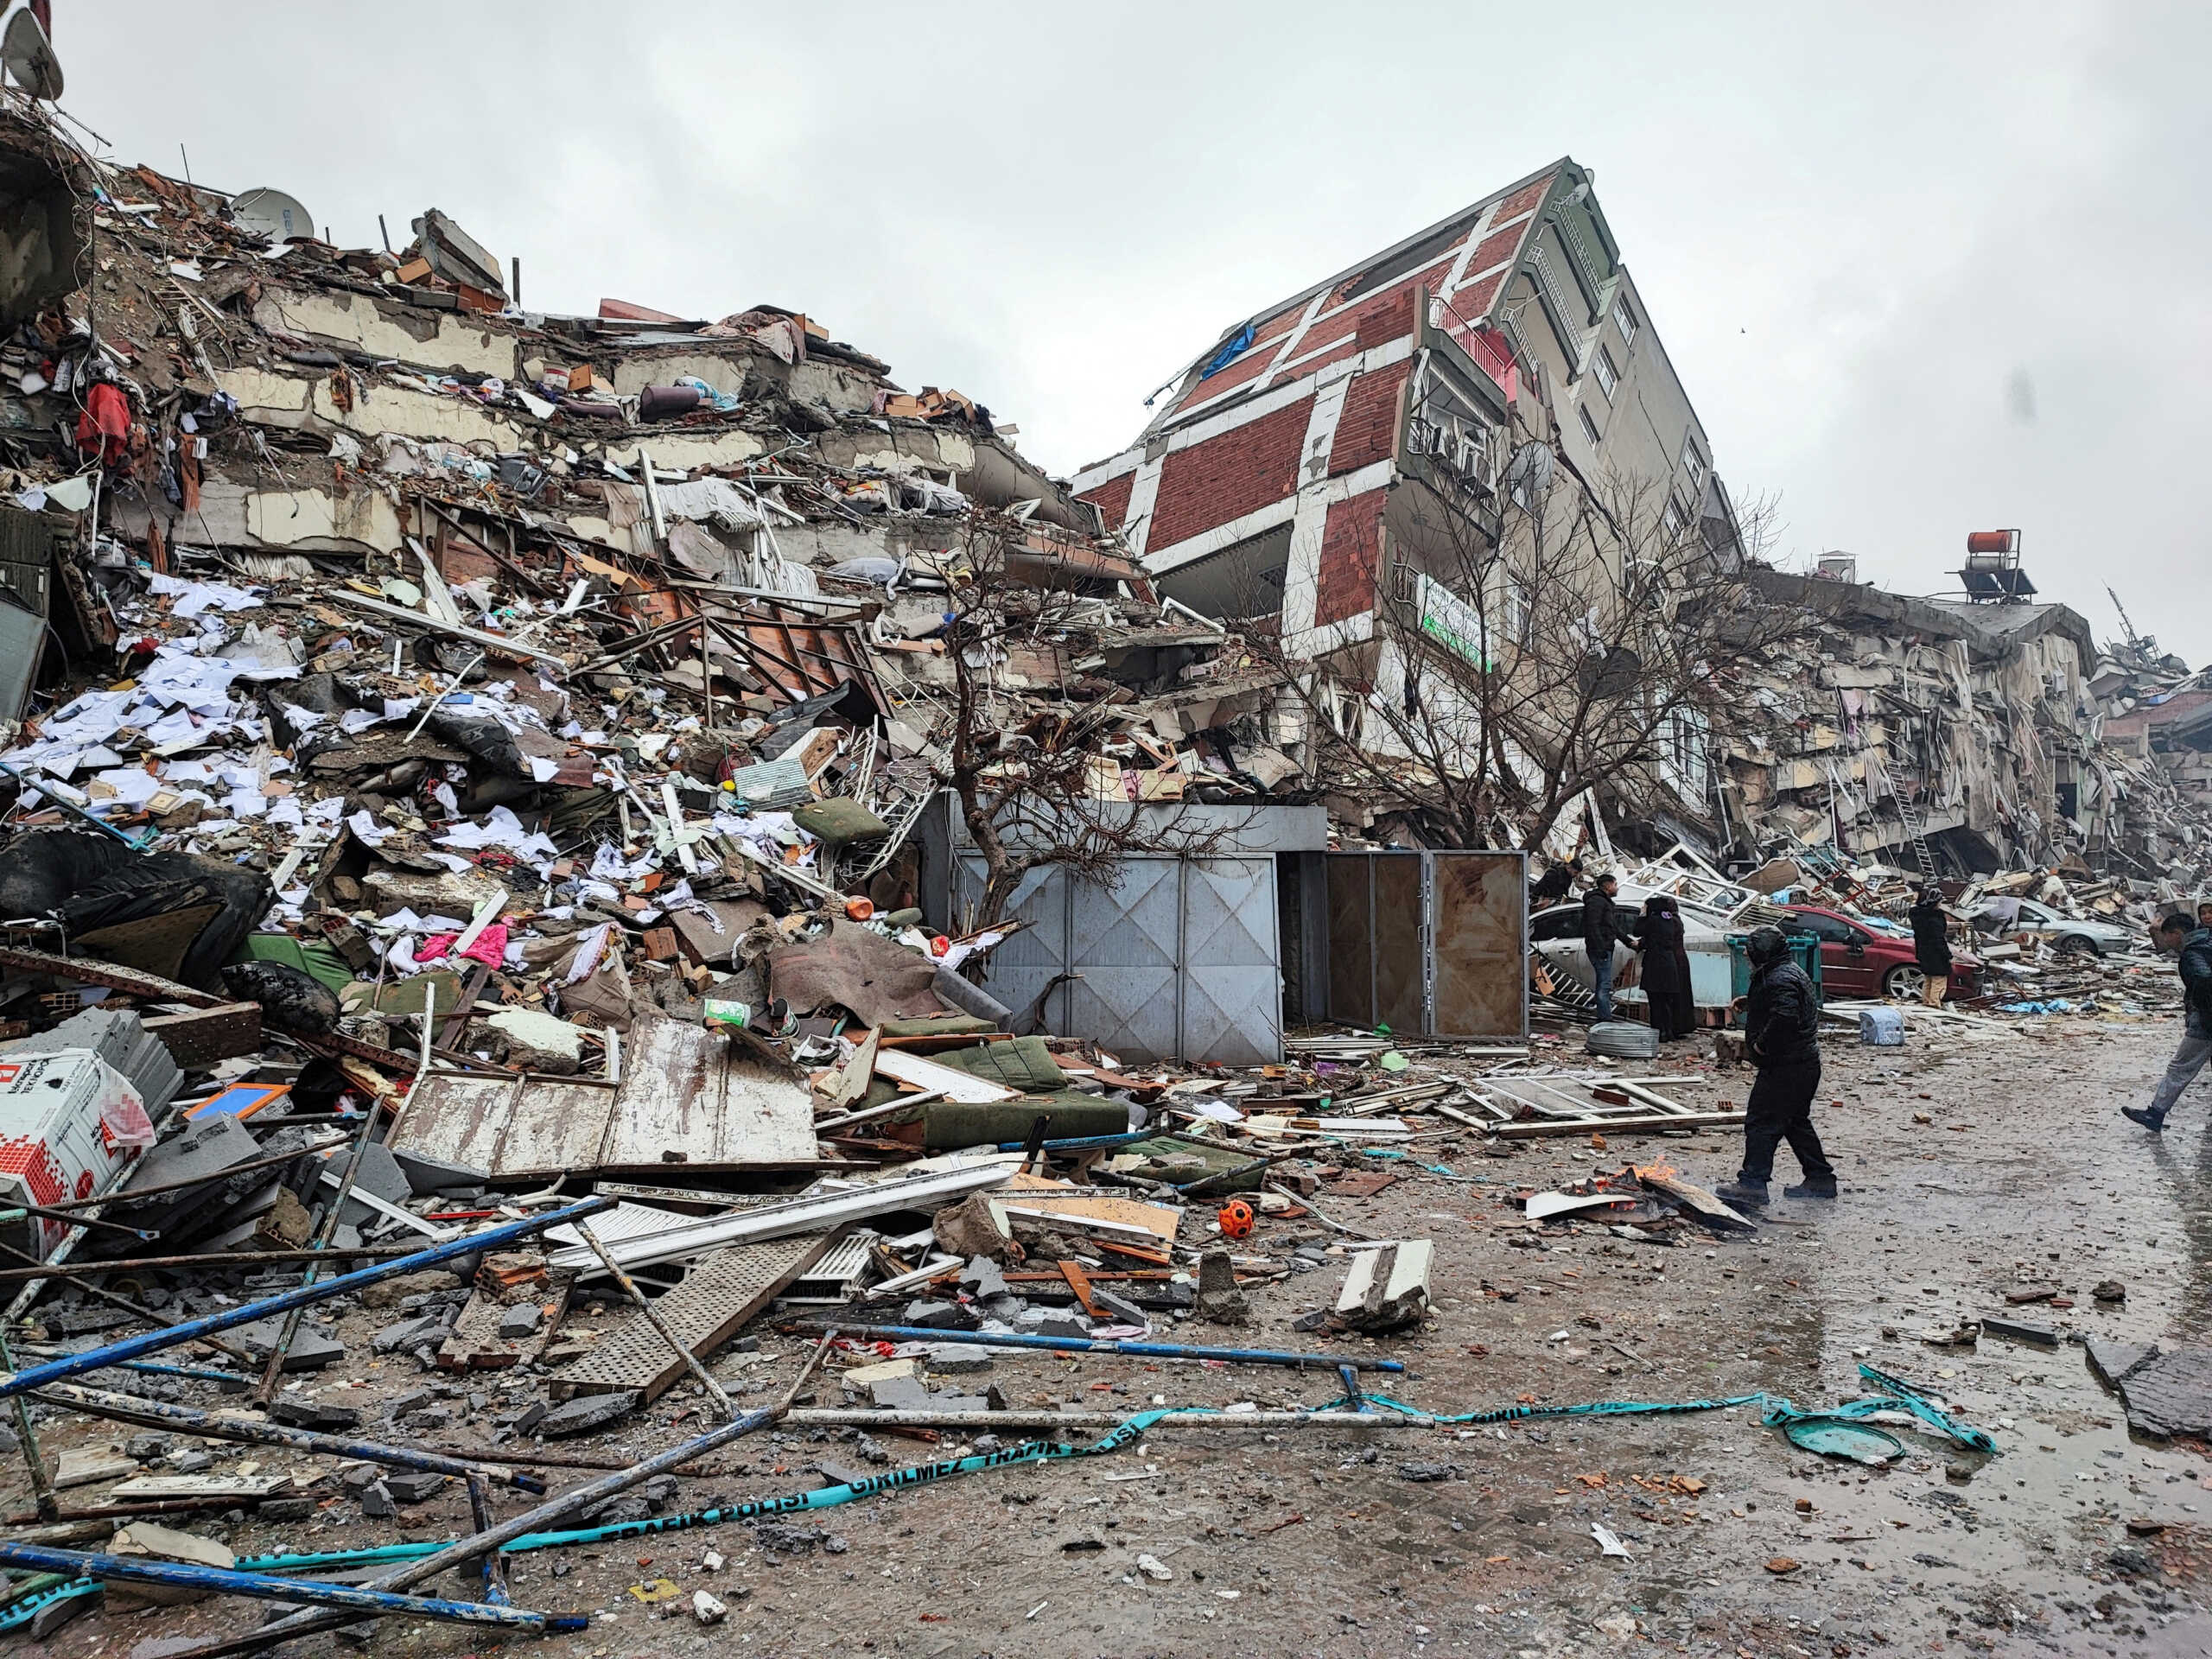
{"x": 1857, "y": 961}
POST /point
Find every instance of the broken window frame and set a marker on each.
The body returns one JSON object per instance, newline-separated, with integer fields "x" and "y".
{"x": 1602, "y": 365}
{"x": 1693, "y": 465}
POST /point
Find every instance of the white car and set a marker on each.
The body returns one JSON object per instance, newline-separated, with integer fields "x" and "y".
{"x": 1555, "y": 937}
{"x": 2088, "y": 938}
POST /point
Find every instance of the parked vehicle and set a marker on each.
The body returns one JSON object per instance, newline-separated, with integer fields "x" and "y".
{"x": 2069, "y": 933}
{"x": 1555, "y": 937}
{"x": 1861, "y": 961}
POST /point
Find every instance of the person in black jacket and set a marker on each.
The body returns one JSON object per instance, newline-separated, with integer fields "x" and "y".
{"x": 1782, "y": 1025}
{"x": 1554, "y": 884}
{"x": 1604, "y": 926}
{"x": 1931, "y": 946}
{"x": 1666, "y": 968}
{"x": 2194, "y": 946}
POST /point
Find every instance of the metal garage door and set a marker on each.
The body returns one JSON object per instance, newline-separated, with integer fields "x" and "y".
{"x": 1180, "y": 958}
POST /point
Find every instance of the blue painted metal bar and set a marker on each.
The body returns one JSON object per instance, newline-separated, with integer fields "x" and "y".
{"x": 473, "y": 1547}
{"x": 60, "y": 1370}
{"x": 1090, "y": 1142}
{"x": 1096, "y": 1345}
{"x": 137, "y": 1408}
{"x": 267, "y": 1587}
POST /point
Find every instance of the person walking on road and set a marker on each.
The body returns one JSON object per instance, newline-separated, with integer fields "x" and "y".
{"x": 1603, "y": 927}
{"x": 1931, "y": 946}
{"x": 1782, "y": 1025}
{"x": 2194, "y": 944}
{"x": 1666, "y": 968}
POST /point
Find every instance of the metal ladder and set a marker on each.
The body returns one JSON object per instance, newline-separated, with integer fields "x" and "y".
{"x": 1909, "y": 816}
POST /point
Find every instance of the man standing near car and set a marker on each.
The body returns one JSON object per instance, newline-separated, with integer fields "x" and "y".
{"x": 1782, "y": 1027}
{"x": 1603, "y": 927}
{"x": 1931, "y": 946}
{"x": 2194, "y": 945}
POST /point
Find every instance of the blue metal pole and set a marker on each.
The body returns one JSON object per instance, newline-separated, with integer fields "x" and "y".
{"x": 60, "y": 1370}
{"x": 267, "y": 1587}
{"x": 1091, "y": 1345}
{"x": 576, "y": 1498}
{"x": 1089, "y": 1142}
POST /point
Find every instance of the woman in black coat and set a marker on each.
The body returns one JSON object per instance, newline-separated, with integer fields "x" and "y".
{"x": 1666, "y": 968}
{"x": 1931, "y": 946}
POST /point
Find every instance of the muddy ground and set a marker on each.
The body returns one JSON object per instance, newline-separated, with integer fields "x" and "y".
{"x": 1972, "y": 1167}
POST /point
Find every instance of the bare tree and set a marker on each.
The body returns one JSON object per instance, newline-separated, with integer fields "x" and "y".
{"x": 1559, "y": 636}
{"x": 1032, "y": 788}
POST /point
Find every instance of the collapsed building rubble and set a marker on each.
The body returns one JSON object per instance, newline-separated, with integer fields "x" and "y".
{"x": 484, "y": 934}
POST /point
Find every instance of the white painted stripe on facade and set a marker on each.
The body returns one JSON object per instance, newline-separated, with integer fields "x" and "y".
{"x": 1456, "y": 278}
{"x": 1290, "y": 340}
{"x": 1136, "y": 525}
{"x": 1191, "y": 549}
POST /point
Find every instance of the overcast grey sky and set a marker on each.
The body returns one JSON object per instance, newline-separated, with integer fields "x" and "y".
{"x": 1924, "y": 268}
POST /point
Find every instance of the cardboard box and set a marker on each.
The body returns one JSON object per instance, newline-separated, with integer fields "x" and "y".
{"x": 68, "y": 1124}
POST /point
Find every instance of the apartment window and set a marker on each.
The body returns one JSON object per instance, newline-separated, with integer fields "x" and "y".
{"x": 1693, "y": 468}
{"x": 1589, "y": 426}
{"x": 1673, "y": 520}
{"x": 1624, "y": 320}
{"x": 1608, "y": 375}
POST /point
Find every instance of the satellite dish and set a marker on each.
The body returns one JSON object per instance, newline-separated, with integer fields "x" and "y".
{"x": 273, "y": 214}
{"x": 1529, "y": 472}
{"x": 28, "y": 57}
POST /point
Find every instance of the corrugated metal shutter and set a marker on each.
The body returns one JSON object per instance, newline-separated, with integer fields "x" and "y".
{"x": 1179, "y": 959}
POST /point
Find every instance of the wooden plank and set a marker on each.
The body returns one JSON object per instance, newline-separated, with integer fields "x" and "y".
{"x": 510, "y": 1126}
{"x": 1073, "y": 1272}
{"x": 1544, "y": 1126}
{"x": 206, "y": 1035}
{"x": 692, "y": 1096}
{"x": 709, "y": 1307}
{"x": 83, "y": 971}
{"x": 949, "y": 1081}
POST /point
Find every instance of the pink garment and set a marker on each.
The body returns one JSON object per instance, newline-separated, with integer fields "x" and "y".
{"x": 490, "y": 949}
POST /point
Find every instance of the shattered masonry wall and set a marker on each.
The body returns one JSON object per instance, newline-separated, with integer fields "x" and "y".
{"x": 1980, "y": 715}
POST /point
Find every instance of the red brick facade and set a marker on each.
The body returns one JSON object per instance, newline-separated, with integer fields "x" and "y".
{"x": 1522, "y": 200}
{"x": 1112, "y": 499}
{"x": 1368, "y": 430}
{"x": 1497, "y": 248}
{"x": 1243, "y": 470}
{"x": 1351, "y": 543}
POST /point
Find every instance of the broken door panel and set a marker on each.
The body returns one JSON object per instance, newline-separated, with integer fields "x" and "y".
{"x": 1350, "y": 944}
{"x": 1401, "y": 953}
{"x": 1479, "y": 928}
{"x": 1429, "y": 944}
